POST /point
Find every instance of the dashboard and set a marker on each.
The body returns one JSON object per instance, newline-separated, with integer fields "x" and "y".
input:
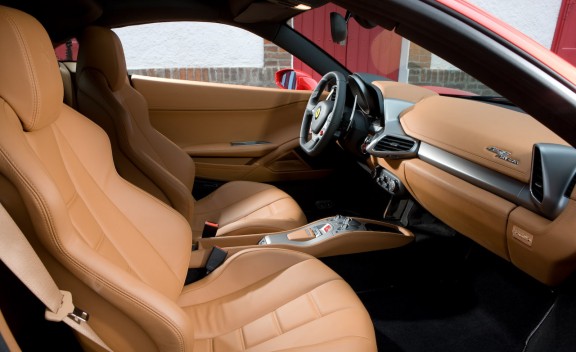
{"x": 490, "y": 171}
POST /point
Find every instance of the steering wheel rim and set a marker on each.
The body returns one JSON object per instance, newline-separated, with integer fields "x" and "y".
{"x": 322, "y": 118}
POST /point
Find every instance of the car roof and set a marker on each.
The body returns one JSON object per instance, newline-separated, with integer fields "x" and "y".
{"x": 64, "y": 18}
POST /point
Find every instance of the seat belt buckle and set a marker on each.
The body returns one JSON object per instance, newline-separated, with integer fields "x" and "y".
{"x": 210, "y": 229}
{"x": 67, "y": 309}
{"x": 215, "y": 259}
{"x": 79, "y": 316}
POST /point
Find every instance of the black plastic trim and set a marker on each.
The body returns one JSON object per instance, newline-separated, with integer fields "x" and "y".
{"x": 537, "y": 177}
{"x": 311, "y": 54}
{"x": 393, "y": 146}
{"x": 392, "y": 128}
{"x": 554, "y": 167}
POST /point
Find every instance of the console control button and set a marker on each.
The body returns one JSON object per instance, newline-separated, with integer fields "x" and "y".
{"x": 392, "y": 186}
{"x": 388, "y": 181}
{"x": 316, "y": 232}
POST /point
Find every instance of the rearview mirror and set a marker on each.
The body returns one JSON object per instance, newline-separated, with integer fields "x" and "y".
{"x": 338, "y": 28}
{"x": 339, "y": 25}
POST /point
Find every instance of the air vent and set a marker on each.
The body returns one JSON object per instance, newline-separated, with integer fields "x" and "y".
{"x": 537, "y": 181}
{"x": 394, "y": 144}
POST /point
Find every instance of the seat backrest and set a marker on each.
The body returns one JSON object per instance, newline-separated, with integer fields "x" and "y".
{"x": 142, "y": 155}
{"x": 123, "y": 253}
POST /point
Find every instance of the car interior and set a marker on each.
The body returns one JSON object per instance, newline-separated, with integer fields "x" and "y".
{"x": 365, "y": 214}
{"x": 148, "y": 159}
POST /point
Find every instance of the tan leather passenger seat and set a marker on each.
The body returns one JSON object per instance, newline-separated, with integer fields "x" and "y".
{"x": 151, "y": 161}
{"x": 124, "y": 254}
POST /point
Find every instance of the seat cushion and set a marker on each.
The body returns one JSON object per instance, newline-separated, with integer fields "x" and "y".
{"x": 243, "y": 207}
{"x": 270, "y": 300}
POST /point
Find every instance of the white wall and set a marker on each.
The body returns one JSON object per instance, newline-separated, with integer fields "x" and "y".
{"x": 187, "y": 44}
{"x": 535, "y": 18}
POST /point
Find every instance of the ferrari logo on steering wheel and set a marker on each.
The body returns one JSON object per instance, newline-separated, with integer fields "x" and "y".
{"x": 317, "y": 113}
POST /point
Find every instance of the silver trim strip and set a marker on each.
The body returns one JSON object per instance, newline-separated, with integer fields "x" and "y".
{"x": 504, "y": 186}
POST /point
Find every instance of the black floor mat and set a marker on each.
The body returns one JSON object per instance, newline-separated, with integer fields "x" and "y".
{"x": 445, "y": 295}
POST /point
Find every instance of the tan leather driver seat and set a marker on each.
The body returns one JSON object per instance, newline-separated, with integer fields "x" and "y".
{"x": 149, "y": 160}
{"x": 124, "y": 254}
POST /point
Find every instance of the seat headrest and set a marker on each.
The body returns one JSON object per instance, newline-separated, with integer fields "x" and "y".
{"x": 101, "y": 49}
{"x": 31, "y": 82}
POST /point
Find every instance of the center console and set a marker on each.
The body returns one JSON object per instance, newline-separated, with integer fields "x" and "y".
{"x": 326, "y": 237}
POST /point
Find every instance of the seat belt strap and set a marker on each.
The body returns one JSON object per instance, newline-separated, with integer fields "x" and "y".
{"x": 19, "y": 256}
{"x": 215, "y": 259}
{"x": 9, "y": 342}
{"x": 3, "y": 345}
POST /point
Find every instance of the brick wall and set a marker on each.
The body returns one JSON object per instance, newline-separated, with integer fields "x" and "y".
{"x": 275, "y": 58}
{"x": 418, "y": 57}
{"x": 420, "y": 73}
{"x": 448, "y": 78}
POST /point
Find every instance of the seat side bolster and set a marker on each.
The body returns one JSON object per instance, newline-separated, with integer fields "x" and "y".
{"x": 241, "y": 270}
{"x": 111, "y": 116}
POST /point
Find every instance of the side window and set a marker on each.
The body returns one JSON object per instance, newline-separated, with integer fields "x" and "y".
{"x": 426, "y": 69}
{"x": 383, "y": 53}
{"x": 67, "y": 54}
{"x": 67, "y": 51}
{"x": 207, "y": 52}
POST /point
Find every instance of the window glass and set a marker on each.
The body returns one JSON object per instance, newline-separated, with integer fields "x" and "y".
{"x": 384, "y": 53}
{"x": 207, "y": 52}
{"x": 426, "y": 69}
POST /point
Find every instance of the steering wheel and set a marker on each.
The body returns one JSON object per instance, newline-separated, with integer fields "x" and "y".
{"x": 322, "y": 118}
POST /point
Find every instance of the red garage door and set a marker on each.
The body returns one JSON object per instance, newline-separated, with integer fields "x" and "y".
{"x": 384, "y": 58}
{"x": 564, "y": 43}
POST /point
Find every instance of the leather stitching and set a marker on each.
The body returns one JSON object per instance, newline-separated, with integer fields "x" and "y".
{"x": 32, "y": 77}
{"x": 311, "y": 300}
{"x": 277, "y": 323}
{"x": 242, "y": 339}
{"x": 314, "y": 304}
{"x": 219, "y": 210}
{"x": 62, "y": 140}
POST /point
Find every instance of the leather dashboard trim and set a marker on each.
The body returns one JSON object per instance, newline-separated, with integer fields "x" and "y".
{"x": 474, "y": 212}
{"x": 549, "y": 254}
{"x": 467, "y": 128}
{"x": 403, "y": 91}
{"x": 501, "y": 185}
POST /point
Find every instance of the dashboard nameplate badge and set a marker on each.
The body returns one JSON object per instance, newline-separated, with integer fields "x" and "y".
{"x": 522, "y": 236}
{"x": 502, "y": 154}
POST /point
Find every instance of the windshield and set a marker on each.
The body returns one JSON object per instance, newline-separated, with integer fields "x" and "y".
{"x": 384, "y": 53}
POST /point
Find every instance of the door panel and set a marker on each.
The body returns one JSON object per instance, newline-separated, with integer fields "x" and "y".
{"x": 232, "y": 132}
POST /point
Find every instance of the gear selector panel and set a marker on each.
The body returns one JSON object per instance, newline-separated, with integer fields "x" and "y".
{"x": 324, "y": 229}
